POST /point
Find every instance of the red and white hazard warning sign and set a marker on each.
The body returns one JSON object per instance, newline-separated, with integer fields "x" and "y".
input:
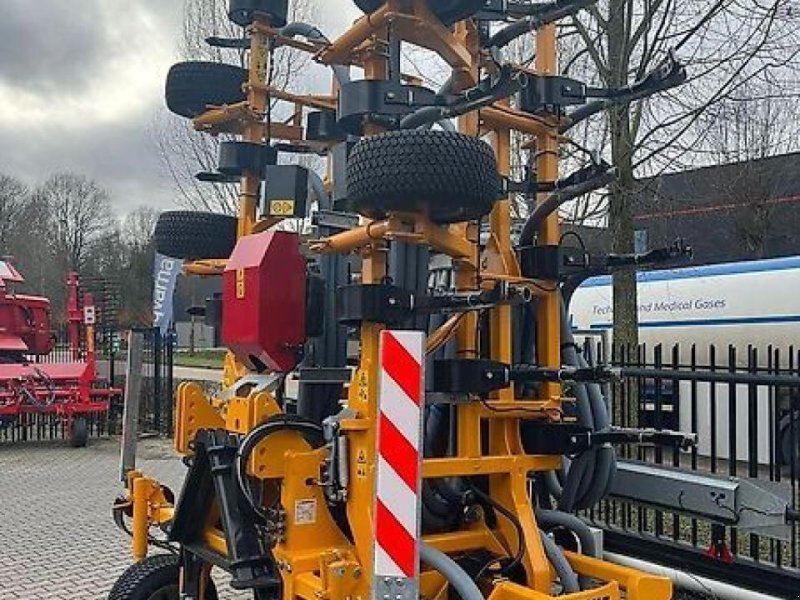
{"x": 397, "y": 501}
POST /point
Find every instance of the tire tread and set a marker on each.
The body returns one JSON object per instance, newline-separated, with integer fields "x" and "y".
{"x": 192, "y": 86}
{"x": 450, "y": 176}
{"x": 195, "y": 235}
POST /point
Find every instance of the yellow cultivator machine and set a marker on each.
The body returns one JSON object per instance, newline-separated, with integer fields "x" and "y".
{"x": 423, "y": 453}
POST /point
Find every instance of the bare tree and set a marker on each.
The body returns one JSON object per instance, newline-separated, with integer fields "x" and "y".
{"x": 138, "y": 226}
{"x": 186, "y": 152}
{"x": 13, "y": 196}
{"x": 78, "y": 216}
{"x": 745, "y": 130}
{"x": 725, "y": 43}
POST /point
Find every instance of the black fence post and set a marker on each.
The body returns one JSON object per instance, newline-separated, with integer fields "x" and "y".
{"x": 156, "y": 333}
{"x": 168, "y": 366}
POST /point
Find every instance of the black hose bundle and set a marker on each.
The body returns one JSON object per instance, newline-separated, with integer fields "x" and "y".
{"x": 586, "y": 479}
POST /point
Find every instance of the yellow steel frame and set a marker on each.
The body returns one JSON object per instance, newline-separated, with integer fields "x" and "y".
{"x": 316, "y": 560}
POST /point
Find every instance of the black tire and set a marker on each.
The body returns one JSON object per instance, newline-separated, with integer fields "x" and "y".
{"x": 78, "y": 433}
{"x": 194, "y": 86}
{"x": 191, "y": 235}
{"x": 449, "y": 176}
{"x": 244, "y": 12}
{"x": 154, "y": 578}
{"x": 448, "y": 11}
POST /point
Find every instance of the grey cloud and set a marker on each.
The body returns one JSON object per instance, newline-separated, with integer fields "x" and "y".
{"x": 55, "y": 48}
{"x": 123, "y": 159}
{"x": 52, "y": 45}
{"x": 58, "y": 46}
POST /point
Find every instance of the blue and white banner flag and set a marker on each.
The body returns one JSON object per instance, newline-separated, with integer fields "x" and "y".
{"x": 165, "y": 277}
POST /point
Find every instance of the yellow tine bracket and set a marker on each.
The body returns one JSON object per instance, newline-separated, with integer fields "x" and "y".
{"x": 150, "y": 507}
{"x": 205, "y": 268}
{"x": 339, "y": 52}
{"x": 347, "y": 241}
{"x": 637, "y": 585}
{"x": 512, "y": 591}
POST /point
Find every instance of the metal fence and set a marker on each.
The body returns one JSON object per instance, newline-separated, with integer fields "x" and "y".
{"x": 745, "y": 430}
{"x": 156, "y": 410}
{"x": 111, "y": 350}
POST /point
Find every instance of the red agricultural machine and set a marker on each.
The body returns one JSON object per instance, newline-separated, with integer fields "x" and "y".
{"x": 29, "y": 385}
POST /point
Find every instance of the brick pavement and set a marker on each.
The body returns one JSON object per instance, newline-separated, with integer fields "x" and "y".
{"x": 57, "y": 538}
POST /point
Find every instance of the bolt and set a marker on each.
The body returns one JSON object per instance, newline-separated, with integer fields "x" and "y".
{"x": 391, "y": 95}
{"x": 399, "y": 581}
{"x": 357, "y": 572}
{"x": 387, "y": 580}
{"x": 339, "y": 572}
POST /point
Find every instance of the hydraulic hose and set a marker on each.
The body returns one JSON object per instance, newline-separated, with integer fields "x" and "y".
{"x": 587, "y": 478}
{"x": 318, "y": 188}
{"x": 428, "y": 116}
{"x": 549, "y": 519}
{"x": 462, "y": 583}
{"x": 553, "y": 519}
{"x": 557, "y": 199}
{"x": 565, "y": 572}
{"x": 549, "y": 13}
{"x": 341, "y": 72}
{"x": 442, "y": 499}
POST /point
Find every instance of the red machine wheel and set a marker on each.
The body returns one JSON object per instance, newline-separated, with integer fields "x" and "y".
{"x": 78, "y": 433}
{"x": 154, "y": 578}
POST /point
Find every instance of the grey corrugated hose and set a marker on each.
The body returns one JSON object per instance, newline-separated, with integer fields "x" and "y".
{"x": 449, "y": 569}
{"x": 567, "y": 576}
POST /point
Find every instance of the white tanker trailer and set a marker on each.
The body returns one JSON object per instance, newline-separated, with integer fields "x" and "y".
{"x": 748, "y": 304}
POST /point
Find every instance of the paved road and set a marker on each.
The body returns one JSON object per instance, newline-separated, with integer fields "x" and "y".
{"x": 189, "y": 373}
{"x": 57, "y": 539}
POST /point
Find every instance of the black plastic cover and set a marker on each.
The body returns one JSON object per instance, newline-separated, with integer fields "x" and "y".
{"x": 237, "y": 157}
{"x": 542, "y": 93}
{"x": 384, "y": 102}
{"x": 551, "y": 263}
{"x": 381, "y": 303}
{"x": 286, "y": 191}
{"x": 321, "y": 126}
{"x": 469, "y": 376}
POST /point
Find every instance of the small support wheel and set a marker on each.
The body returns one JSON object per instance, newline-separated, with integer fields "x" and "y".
{"x": 244, "y": 12}
{"x": 194, "y": 86}
{"x": 448, "y": 176}
{"x": 193, "y": 235}
{"x": 448, "y": 11}
{"x": 78, "y": 433}
{"x": 154, "y": 578}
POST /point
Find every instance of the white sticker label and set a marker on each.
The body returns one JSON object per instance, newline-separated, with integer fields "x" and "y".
{"x": 305, "y": 512}
{"x": 89, "y": 315}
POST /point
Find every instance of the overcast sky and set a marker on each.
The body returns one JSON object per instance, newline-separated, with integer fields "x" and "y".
{"x": 81, "y": 87}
